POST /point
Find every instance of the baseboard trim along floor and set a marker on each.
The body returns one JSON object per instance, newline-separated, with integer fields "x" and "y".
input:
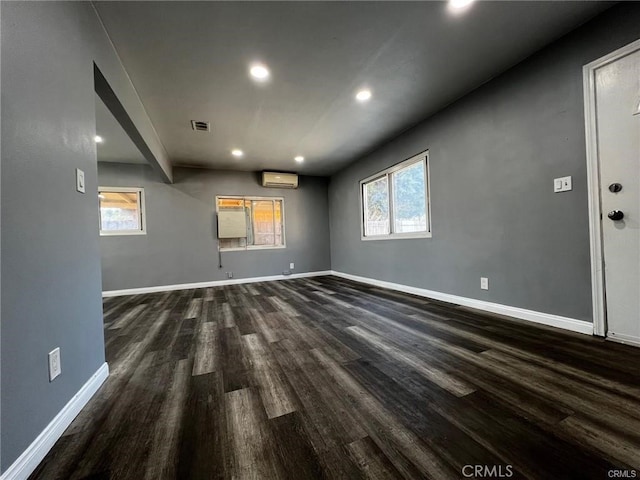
{"x": 33, "y": 455}
{"x": 548, "y": 319}
{"x": 625, "y": 339}
{"x": 213, "y": 283}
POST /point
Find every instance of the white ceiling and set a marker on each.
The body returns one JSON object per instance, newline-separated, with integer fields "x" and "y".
{"x": 116, "y": 147}
{"x": 190, "y": 60}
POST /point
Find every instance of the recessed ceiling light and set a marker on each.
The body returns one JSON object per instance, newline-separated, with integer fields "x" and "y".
{"x": 363, "y": 95}
{"x": 98, "y": 139}
{"x": 259, "y": 72}
{"x": 299, "y": 159}
{"x": 458, "y": 4}
{"x": 237, "y": 153}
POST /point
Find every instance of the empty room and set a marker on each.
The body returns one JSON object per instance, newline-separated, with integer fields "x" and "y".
{"x": 320, "y": 240}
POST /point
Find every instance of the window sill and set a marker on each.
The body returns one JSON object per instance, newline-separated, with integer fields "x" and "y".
{"x": 397, "y": 236}
{"x": 261, "y": 247}
{"x": 123, "y": 232}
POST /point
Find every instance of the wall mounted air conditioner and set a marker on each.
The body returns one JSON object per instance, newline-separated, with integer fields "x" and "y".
{"x": 279, "y": 180}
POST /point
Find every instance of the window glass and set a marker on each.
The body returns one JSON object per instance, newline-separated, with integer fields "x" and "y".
{"x": 120, "y": 211}
{"x": 376, "y": 195}
{"x": 395, "y": 202}
{"x": 264, "y": 222}
{"x": 409, "y": 202}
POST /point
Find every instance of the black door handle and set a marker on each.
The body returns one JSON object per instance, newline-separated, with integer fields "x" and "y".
{"x": 615, "y": 215}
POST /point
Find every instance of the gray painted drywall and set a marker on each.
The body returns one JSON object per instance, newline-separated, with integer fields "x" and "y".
{"x": 493, "y": 157}
{"x": 180, "y": 245}
{"x": 51, "y": 288}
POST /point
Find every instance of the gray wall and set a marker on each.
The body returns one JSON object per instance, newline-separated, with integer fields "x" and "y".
{"x": 493, "y": 157}
{"x": 181, "y": 246}
{"x": 51, "y": 287}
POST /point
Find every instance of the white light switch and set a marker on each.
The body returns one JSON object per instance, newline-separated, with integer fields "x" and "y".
{"x": 557, "y": 185}
{"x": 562, "y": 184}
{"x": 55, "y": 366}
{"x": 80, "y": 180}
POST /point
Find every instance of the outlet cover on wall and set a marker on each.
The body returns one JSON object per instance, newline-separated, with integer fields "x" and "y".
{"x": 484, "y": 283}
{"x": 55, "y": 367}
{"x": 229, "y": 274}
{"x": 292, "y": 266}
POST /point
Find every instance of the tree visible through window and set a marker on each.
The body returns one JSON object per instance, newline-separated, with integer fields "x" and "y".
{"x": 377, "y": 211}
{"x": 409, "y": 199}
{"x": 395, "y": 202}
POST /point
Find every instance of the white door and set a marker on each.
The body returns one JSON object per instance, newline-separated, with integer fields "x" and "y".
{"x": 617, "y": 89}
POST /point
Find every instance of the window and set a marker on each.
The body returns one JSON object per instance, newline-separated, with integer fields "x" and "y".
{"x": 246, "y": 223}
{"x": 395, "y": 202}
{"x": 121, "y": 211}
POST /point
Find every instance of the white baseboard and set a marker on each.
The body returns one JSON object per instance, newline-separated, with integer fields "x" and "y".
{"x": 33, "y": 455}
{"x": 626, "y": 339}
{"x": 521, "y": 313}
{"x": 214, "y": 283}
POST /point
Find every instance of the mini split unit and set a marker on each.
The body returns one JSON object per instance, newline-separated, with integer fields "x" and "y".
{"x": 279, "y": 180}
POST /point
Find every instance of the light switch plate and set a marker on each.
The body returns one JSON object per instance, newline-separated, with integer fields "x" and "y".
{"x": 55, "y": 367}
{"x": 562, "y": 184}
{"x": 80, "y": 187}
{"x": 557, "y": 185}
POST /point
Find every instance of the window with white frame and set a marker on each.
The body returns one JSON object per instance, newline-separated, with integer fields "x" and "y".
{"x": 121, "y": 211}
{"x": 395, "y": 202}
{"x": 246, "y": 223}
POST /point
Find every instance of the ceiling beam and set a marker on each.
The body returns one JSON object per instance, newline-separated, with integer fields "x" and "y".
{"x": 108, "y": 96}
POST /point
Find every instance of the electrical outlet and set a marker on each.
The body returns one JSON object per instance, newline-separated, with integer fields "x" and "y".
{"x": 292, "y": 266}
{"x": 229, "y": 274}
{"x": 484, "y": 283}
{"x": 55, "y": 367}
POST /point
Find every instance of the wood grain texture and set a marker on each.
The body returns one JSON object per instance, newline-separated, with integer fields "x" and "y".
{"x": 328, "y": 378}
{"x": 252, "y": 449}
{"x": 207, "y": 349}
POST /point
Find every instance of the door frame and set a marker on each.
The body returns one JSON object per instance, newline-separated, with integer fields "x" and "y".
{"x": 593, "y": 185}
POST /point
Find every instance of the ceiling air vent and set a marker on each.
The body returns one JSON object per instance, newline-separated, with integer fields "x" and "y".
{"x": 200, "y": 126}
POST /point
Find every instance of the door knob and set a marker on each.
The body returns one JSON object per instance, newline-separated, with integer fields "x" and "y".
{"x": 615, "y": 187}
{"x": 615, "y": 215}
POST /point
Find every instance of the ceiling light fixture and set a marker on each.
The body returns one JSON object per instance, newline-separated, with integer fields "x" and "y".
{"x": 98, "y": 139}
{"x": 237, "y": 153}
{"x": 363, "y": 95}
{"x": 259, "y": 72}
{"x": 299, "y": 159}
{"x": 459, "y": 4}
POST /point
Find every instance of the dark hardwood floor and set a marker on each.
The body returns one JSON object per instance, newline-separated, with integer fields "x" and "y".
{"x": 327, "y": 378}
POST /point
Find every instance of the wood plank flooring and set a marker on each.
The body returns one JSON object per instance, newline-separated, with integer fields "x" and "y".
{"x": 328, "y": 378}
